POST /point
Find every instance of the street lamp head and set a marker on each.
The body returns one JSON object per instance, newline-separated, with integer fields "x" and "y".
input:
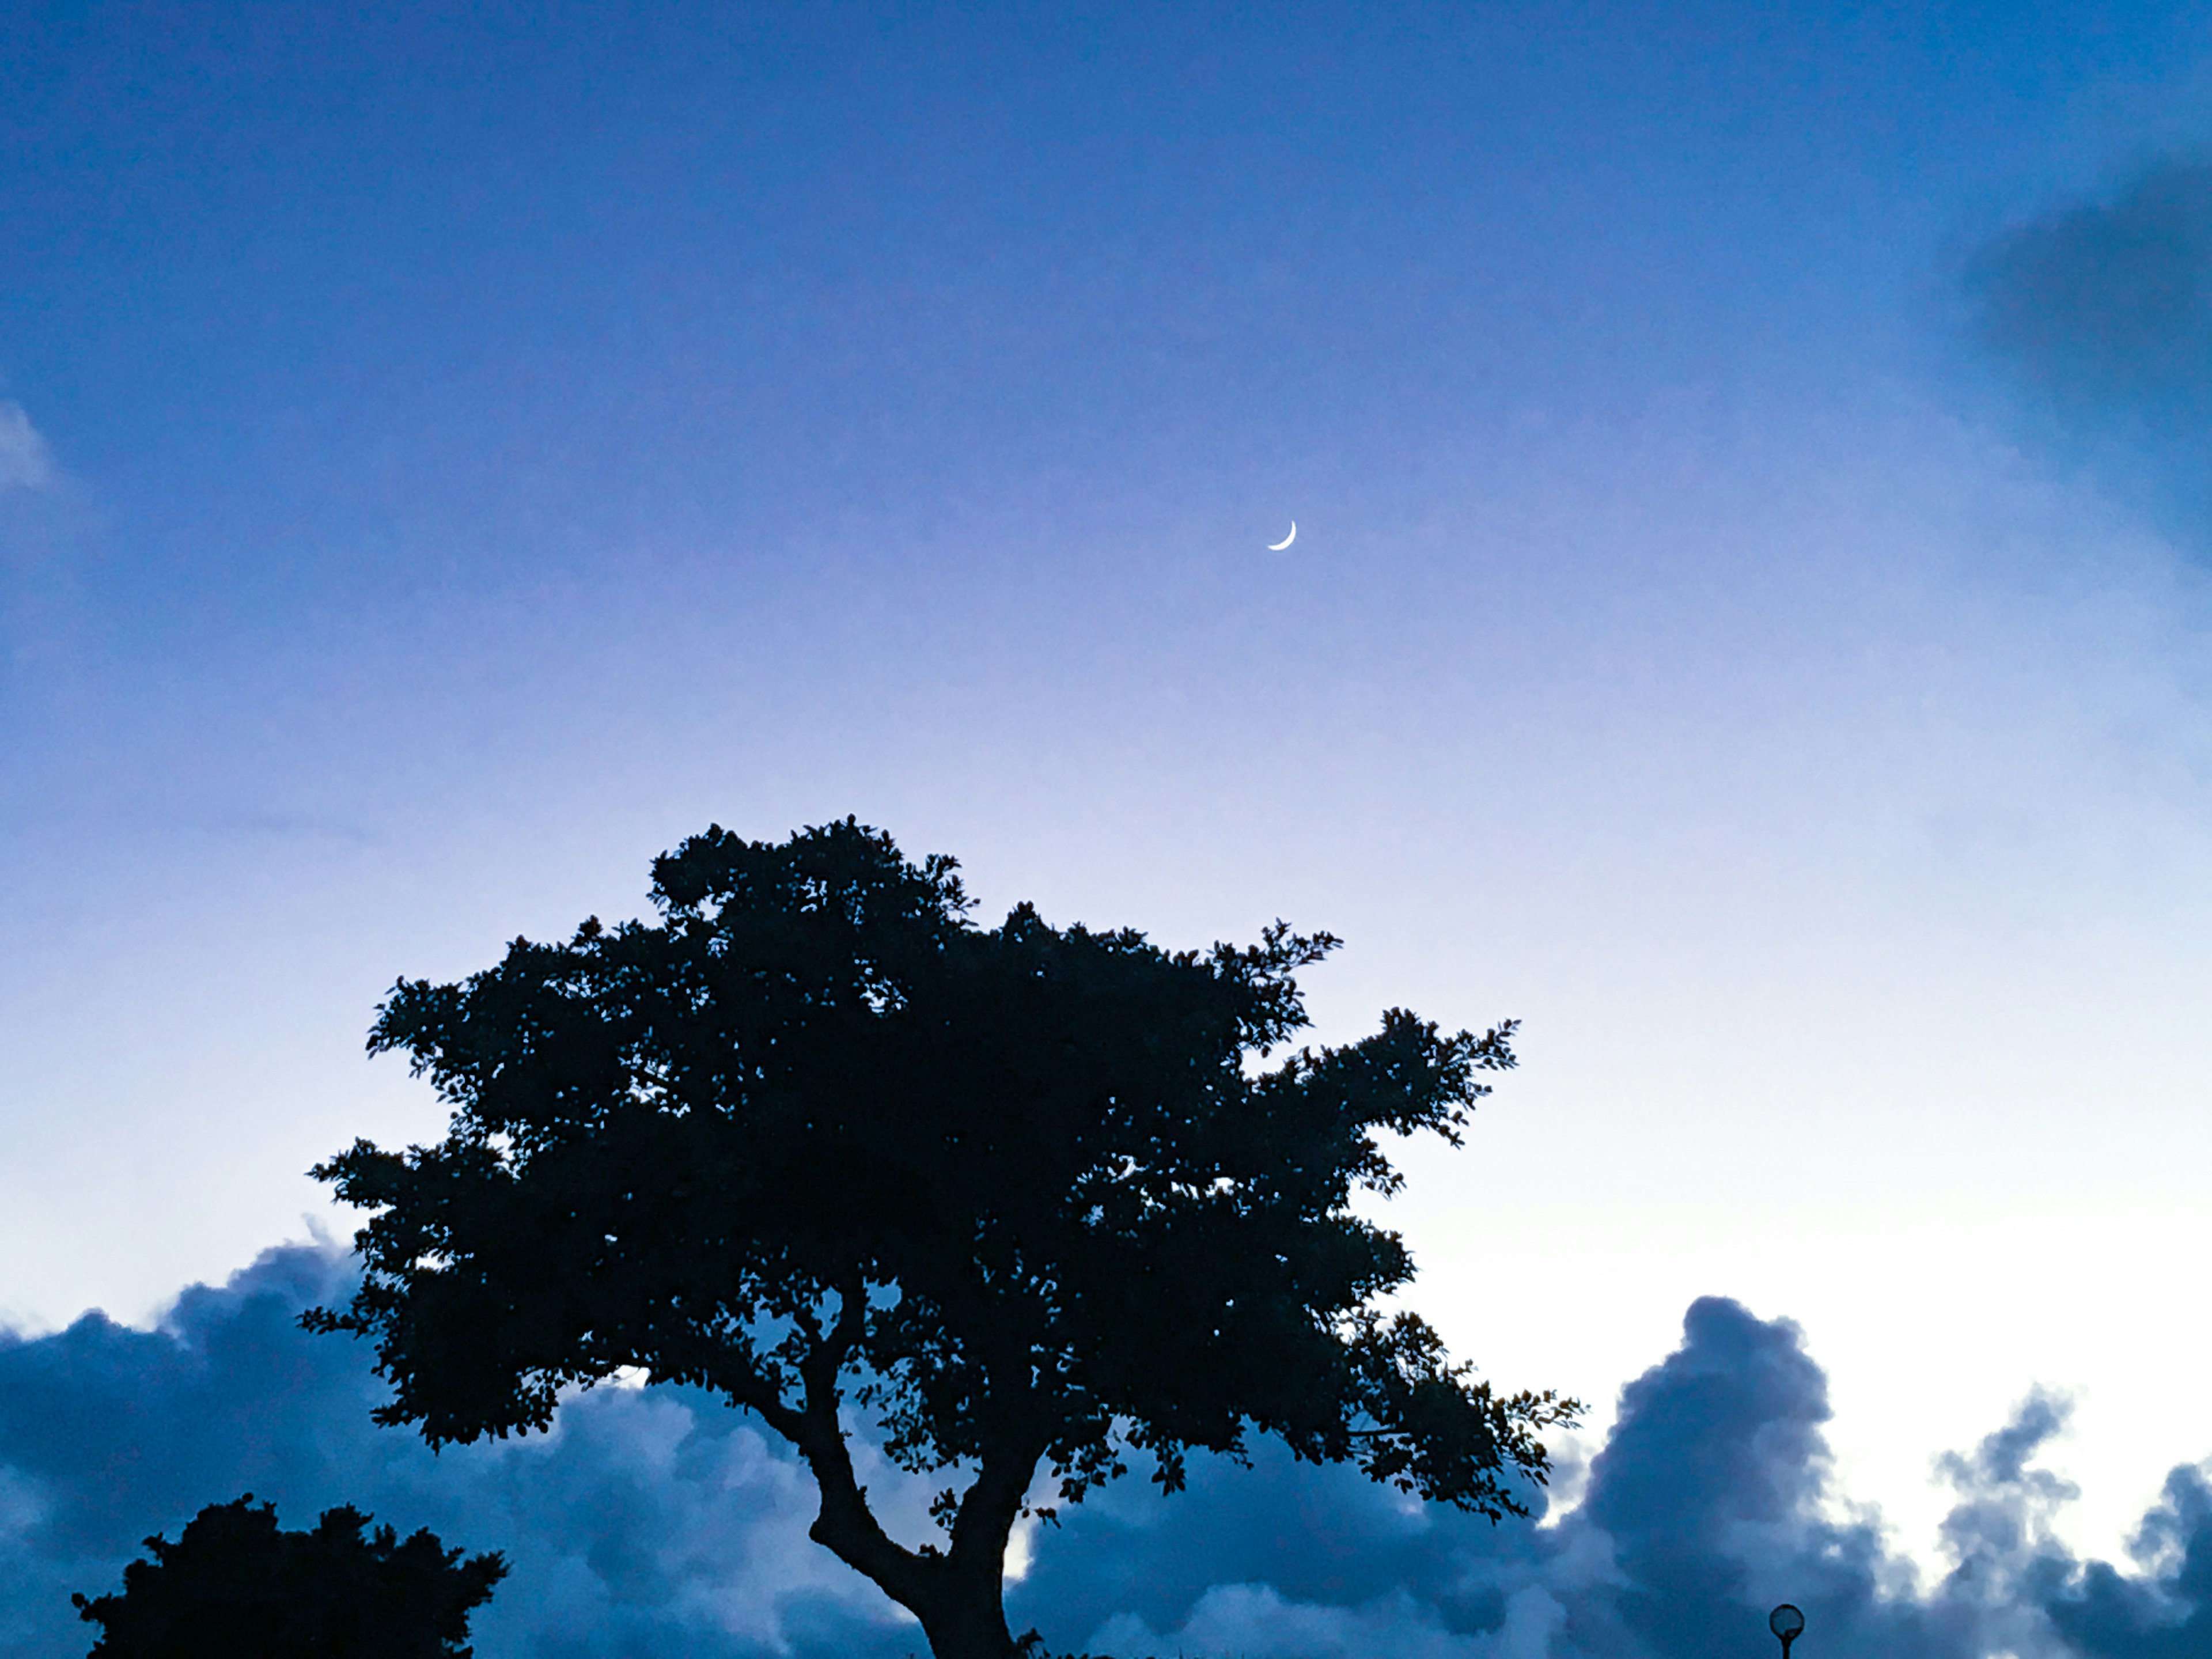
{"x": 1787, "y": 1623}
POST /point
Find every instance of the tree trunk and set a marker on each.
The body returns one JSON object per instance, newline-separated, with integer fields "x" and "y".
{"x": 958, "y": 1596}
{"x": 965, "y": 1617}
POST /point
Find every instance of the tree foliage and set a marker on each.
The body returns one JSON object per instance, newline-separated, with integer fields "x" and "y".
{"x": 233, "y": 1586}
{"x": 1026, "y": 1195}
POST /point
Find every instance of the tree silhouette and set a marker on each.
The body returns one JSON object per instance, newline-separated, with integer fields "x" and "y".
{"x": 233, "y": 1586}
{"x": 819, "y": 1142}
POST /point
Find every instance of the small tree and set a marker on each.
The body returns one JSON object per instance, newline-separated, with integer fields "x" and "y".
{"x": 817, "y": 1141}
{"x": 233, "y": 1586}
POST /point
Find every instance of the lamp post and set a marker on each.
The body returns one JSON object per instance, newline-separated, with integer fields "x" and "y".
{"x": 1787, "y": 1624}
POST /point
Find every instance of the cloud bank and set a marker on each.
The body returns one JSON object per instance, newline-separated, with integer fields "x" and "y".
{"x": 657, "y": 1521}
{"x": 648, "y": 1523}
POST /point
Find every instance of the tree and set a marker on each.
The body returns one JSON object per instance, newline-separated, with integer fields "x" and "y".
{"x": 233, "y": 1586}
{"x": 817, "y": 1141}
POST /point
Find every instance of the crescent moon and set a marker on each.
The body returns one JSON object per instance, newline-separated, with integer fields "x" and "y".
{"x": 1277, "y": 547}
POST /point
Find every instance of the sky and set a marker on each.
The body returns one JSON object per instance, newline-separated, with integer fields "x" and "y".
{"x": 1749, "y": 620}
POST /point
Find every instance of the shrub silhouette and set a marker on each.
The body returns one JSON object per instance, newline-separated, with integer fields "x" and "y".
{"x": 234, "y": 1587}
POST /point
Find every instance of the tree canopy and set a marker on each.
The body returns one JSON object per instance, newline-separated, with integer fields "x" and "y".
{"x": 233, "y": 1586}
{"x": 1026, "y": 1196}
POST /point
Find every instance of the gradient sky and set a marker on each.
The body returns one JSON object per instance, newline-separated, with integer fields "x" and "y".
{"x": 1749, "y": 615}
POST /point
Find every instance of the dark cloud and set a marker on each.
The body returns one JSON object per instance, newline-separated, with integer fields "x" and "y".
{"x": 2167, "y": 1612}
{"x": 1699, "y": 1514}
{"x": 1708, "y": 1493}
{"x": 659, "y": 1522}
{"x": 1708, "y": 1504}
{"x": 653, "y": 1522}
{"x": 2098, "y": 312}
{"x": 2107, "y": 305}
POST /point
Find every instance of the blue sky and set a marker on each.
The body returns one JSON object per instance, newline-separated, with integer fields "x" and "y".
{"x": 1748, "y": 617}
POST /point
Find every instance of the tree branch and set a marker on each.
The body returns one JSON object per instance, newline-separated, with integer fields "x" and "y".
{"x": 845, "y": 1525}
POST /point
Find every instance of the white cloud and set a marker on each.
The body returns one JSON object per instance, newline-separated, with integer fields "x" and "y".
{"x": 26, "y": 462}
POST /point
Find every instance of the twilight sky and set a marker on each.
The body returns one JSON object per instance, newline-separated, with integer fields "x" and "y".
{"x": 1749, "y": 616}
